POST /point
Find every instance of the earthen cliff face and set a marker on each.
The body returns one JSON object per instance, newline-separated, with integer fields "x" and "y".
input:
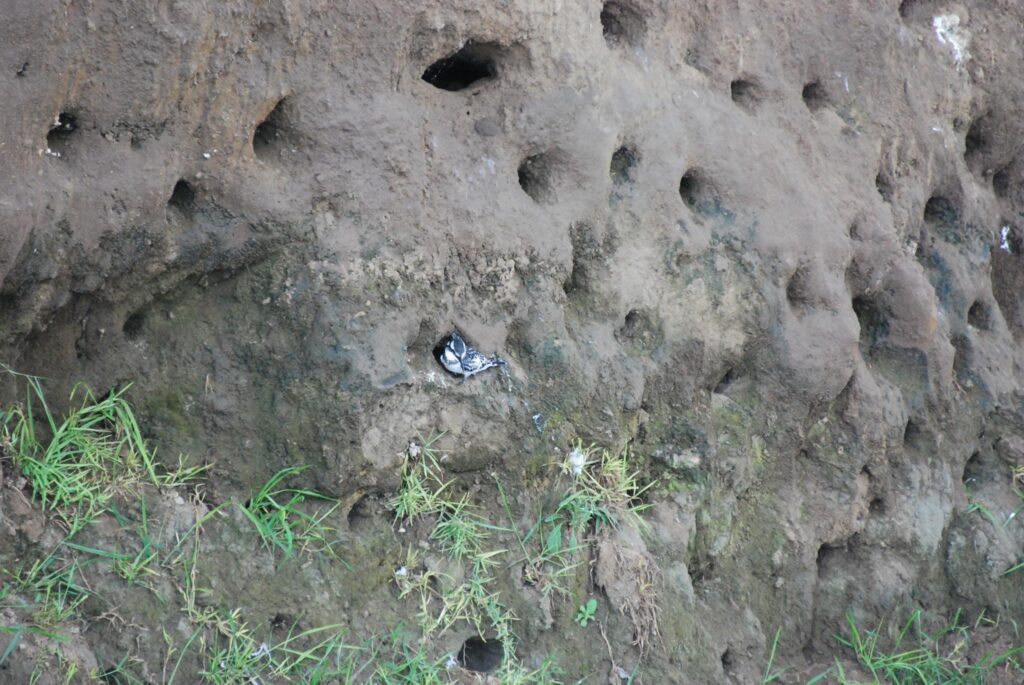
{"x": 774, "y": 249}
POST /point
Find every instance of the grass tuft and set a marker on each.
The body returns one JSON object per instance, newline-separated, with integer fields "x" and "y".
{"x": 915, "y": 657}
{"x": 280, "y": 517}
{"x": 77, "y": 464}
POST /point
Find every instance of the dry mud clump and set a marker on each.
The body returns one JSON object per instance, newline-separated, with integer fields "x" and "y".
{"x": 773, "y": 248}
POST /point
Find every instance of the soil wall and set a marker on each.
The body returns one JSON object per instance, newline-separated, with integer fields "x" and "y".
{"x": 774, "y": 249}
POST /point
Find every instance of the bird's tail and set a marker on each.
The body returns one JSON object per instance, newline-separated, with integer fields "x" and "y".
{"x": 498, "y": 360}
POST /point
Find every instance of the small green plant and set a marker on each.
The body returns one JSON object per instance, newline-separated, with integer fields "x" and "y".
{"x": 131, "y": 568}
{"x": 604, "y": 490}
{"x": 48, "y": 589}
{"x": 281, "y": 520}
{"x": 458, "y": 530}
{"x": 422, "y": 490}
{"x": 119, "y": 673}
{"x": 551, "y": 566}
{"x": 317, "y": 655}
{"x": 918, "y": 658}
{"x": 586, "y": 612}
{"x": 771, "y": 676}
{"x": 91, "y": 455}
{"x": 134, "y": 569}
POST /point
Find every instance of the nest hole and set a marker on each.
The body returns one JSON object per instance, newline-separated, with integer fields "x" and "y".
{"x": 133, "y": 325}
{"x": 980, "y": 316}
{"x": 58, "y": 138}
{"x": 622, "y": 25}
{"x": 536, "y": 177}
{"x": 360, "y": 516}
{"x": 873, "y": 323}
{"x": 623, "y": 165}
{"x": 974, "y": 469}
{"x": 884, "y": 187}
{"x": 269, "y": 135}
{"x": 912, "y": 434}
{"x": 724, "y": 383}
{"x": 940, "y": 211}
{"x": 480, "y": 655}
{"x": 473, "y": 63}
{"x": 632, "y": 322}
{"x": 977, "y": 139}
{"x": 855, "y": 230}
{"x": 798, "y": 290}
{"x": 746, "y": 94}
{"x": 827, "y": 554}
{"x": 183, "y": 197}
{"x": 815, "y": 96}
{"x": 877, "y": 507}
{"x": 698, "y": 192}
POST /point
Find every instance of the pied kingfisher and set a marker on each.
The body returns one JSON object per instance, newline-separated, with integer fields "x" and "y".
{"x": 463, "y": 360}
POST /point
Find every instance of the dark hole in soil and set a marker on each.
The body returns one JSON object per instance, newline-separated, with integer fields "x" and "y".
{"x": 114, "y": 675}
{"x": 473, "y": 63}
{"x": 974, "y": 470}
{"x": 536, "y": 176}
{"x": 976, "y": 141}
{"x": 814, "y": 96}
{"x": 907, "y": 7}
{"x": 826, "y": 553}
{"x": 632, "y": 321}
{"x": 912, "y": 434}
{"x": 60, "y": 134}
{"x": 361, "y": 514}
{"x": 884, "y": 187}
{"x": 873, "y": 324}
{"x": 746, "y": 94}
{"x": 1001, "y": 182}
{"x": 877, "y": 507}
{"x": 940, "y": 211}
{"x": 578, "y": 279}
{"x": 797, "y": 290}
{"x": 268, "y": 135}
{"x": 183, "y": 197}
{"x": 280, "y": 621}
{"x": 480, "y": 655}
{"x": 698, "y": 192}
{"x": 623, "y": 165}
{"x": 728, "y": 661}
{"x": 621, "y": 24}
{"x": 980, "y": 316}
{"x": 701, "y": 572}
{"x": 132, "y": 327}
{"x": 204, "y": 496}
{"x": 723, "y": 384}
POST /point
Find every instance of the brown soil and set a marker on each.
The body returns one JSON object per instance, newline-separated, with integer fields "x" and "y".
{"x": 761, "y": 245}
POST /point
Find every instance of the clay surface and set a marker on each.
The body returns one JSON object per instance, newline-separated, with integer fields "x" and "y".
{"x": 773, "y": 249}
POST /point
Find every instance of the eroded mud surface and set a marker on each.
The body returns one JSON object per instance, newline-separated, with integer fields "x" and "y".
{"x": 773, "y": 249}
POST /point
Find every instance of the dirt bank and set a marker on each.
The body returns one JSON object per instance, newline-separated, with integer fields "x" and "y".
{"x": 773, "y": 249}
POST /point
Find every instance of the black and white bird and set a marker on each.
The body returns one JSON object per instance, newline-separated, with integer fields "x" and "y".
{"x": 463, "y": 360}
